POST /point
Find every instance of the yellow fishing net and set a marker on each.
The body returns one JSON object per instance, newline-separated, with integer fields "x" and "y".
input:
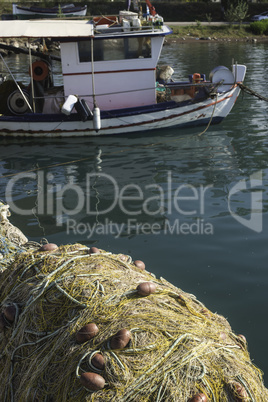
{"x": 80, "y": 324}
{"x": 176, "y": 349}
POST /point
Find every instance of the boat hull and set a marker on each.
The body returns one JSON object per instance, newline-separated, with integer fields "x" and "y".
{"x": 37, "y": 12}
{"x": 131, "y": 120}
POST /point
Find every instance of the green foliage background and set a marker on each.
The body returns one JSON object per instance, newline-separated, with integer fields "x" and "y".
{"x": 171, "y": 10}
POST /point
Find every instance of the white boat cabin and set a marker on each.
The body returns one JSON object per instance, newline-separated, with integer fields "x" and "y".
{"x": 123, "y": 62}
{"x": 124, "y": 70}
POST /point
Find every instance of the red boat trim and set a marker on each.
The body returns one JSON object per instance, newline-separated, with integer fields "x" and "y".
{"x": 110, "y": 72}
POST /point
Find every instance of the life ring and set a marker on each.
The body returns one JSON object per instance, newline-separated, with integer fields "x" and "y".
{"x": 40, "y": 70}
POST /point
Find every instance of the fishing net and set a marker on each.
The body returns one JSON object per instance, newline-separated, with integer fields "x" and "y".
{"x": 83, "y": 324}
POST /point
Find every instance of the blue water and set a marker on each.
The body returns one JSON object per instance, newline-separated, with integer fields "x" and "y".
{"x": 182, "y": 203}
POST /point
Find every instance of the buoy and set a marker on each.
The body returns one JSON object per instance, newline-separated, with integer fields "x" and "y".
{"x": 92, "y": 381}
{"x": 98, "y": 361}
{"x": 196, "y": 78}
{"x": 123, "y": 257}
{"x": 120, "y": 339}
{"x": 86, "y": 333}
{"x": 146, "y": 288}
{"x": 40, "y": 70}
{"x": 10, "y": 312}
{"x": 96, "y": 119}
{"x": 199, "y": 398}
{"x": 139, "y": 264}
{"x": 48, "y": 247}
{"x": 94, "y": 250}
{"x": 239, "y": 391}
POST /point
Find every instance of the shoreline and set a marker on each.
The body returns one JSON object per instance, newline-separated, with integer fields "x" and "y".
{"x": 205, "y": 39}
{"x": 214, "y": 31}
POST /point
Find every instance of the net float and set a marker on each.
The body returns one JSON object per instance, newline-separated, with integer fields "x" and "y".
{"x": 123, "y": 257}
{"x": 199, "y": 398}
{"x": 139, "y": 264}
{"x": 94, "y": 250}
{"x": 239, "y": 391}
{"x": 98, "y": 361}
{"x": 146, "y": 288}
{"x": 92, "y": 381}
{"x": 86, "y": 333}
{"x": 120, "y": 339}
{"x": 48, "y": 247}
{"x": 10, "y": 312}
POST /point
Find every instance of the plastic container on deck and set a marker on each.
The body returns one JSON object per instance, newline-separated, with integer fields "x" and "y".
{"x": 127, "y": 15}
{"x": 69, "y": 104}
{"x": 136, "y": 23}
{"x": 103, "y": 26}
{"x": 126, "y": 25}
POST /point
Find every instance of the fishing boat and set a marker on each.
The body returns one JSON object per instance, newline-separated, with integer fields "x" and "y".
{"x": 111, "y": 82}
{"x": 65, "y": 10}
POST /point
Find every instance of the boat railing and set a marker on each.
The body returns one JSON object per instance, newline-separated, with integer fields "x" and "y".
{"x": 213, "y": 86}
{"x": 119, "y": 29}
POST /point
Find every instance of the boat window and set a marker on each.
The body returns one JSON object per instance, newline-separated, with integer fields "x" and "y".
{"x": 115, "y": 49}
